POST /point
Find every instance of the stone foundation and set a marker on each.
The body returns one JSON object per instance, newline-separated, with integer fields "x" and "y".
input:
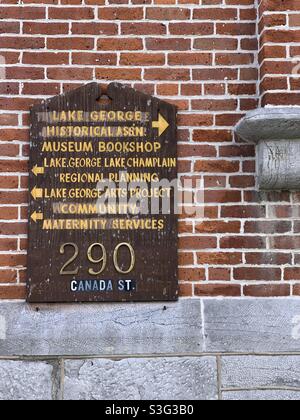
{"x": 198, "y": 349}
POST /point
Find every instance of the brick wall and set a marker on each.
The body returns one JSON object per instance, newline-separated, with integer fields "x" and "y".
{"x": 202, "y": 55}
{"x": 279, "y": 59}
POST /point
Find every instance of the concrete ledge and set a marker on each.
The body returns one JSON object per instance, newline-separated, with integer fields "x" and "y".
{"x": 277, "y": 133}
{"x": 252, "y": 325}
{"x": 270, "y": 124}
{"x": 100, "y": 329}
{"x": 239, "y": 325}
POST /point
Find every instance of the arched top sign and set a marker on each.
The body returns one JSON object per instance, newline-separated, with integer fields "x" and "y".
{"x": 103, "y": 176}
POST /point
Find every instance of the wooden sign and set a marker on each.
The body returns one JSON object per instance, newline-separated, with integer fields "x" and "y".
{"x": 95, "y": 166}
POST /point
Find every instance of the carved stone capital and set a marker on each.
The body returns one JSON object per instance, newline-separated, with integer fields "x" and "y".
{"x": 276, "y": 131}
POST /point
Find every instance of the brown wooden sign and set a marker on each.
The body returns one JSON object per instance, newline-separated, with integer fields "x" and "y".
{"x": 100, "y": 172}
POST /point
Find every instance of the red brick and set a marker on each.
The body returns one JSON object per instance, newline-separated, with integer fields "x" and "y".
{"x": 70, "y": 43}
{"x": 121, "y": 13}
{"x": 296, "y": 290}
{"x": 214, "y": 136}
{"x": 166, "y": 13}
{"x": 40, "y": 28}
{"x": 219, "y": 274}
{"x": 216, "y": 166}
{"x": 12, "y": 292}
{"x": 142, "y": 59}
{"x": 148, "y": 88}
{"x": 240, "y": 89}
{"x": 236, "y": 29}
{"x": 196, "y": 151}
{"x": 245, "y": 242}
{"x": 258, "y": 197}
{"x": 22, "y": 73}
{"x": 248, "y": 14}
{"x": 222, "y": 196}
{"x": 143, "y": 28}
{"x": 218, "y": 227}
{"x": 13, "y": 166}
{"x": 215, "y": 74}
{"x": 113, "y": 44}
{"x": 9, "y": 150}
{"x": 217, "y": 290}
{"x": 44, "y": 58}
{"x": 21, "y": 43}
{"x": 13, "y": 229}
{"x": 8, "y": 213}
{"x": 214, "y": 104}
{"x": 195, "y": 120}
{"x": 197, "y": 242}
{"x": 215, "y": 13}
{"x": 8, "y": 119}
{"x": 94, "y": 28}
{"x": 292, "y": 273}
{"x": 215, "y": 182}
{"x": 249, "y": 166}
{"x": 191, "y": 28}
{"x": 8, "y": 276}
{"x": 50, "y": 89}
{"x": 71, "y": 13}
{"x": 167, "y": 74}
{"x": 167, "y": 89}
{"x": 95, "y": 2}
{"x": 118, "y": 73}
{"x": 94, "y": 59}
{"x": 249, "y": 44}
{"x": 185, "y": 289}
{"x": 211, "y": 44}
{"x": 9, "y": 182}
{"x": 213, "y": 89}
{"x": 268, "y": 227}
{"x": 185, "y": 258}
{"x": 185, "y": 227}
{"x": 285, "y": 242}
{"x": 69, "y": 73}
{"x": 242, "y": 181}
{"x": 268, "y": 258}
{"x": 219, "y": 258}
{"x": 7, "y": 244}
{"x": 192, "y": 59}
{"x": 162, "y": 44}
{"x": 267, "y": 290}
{"x": 9, "y": 27}
{"x": 23, "y": 12}
{"x": 228, "y": 120}
{"x": 257, "y": 274}
{"x": 234, "y": 59}
{"x": 241, "y": 150}
{"x": 9, "y": 88}
{"x": 12, "y": 260}
{"x": 243, "y": 212}
{"x": 191, "y": 274}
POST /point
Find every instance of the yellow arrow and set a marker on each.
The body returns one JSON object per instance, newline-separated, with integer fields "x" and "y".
{"x": 37, "y": 193}
{"x": 38, "y": 171}
{"x": 161, "y": 124}
{"x": 37, "y": 216}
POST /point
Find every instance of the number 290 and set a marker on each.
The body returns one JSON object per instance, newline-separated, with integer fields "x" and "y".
{"x": 102, "y": 260}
